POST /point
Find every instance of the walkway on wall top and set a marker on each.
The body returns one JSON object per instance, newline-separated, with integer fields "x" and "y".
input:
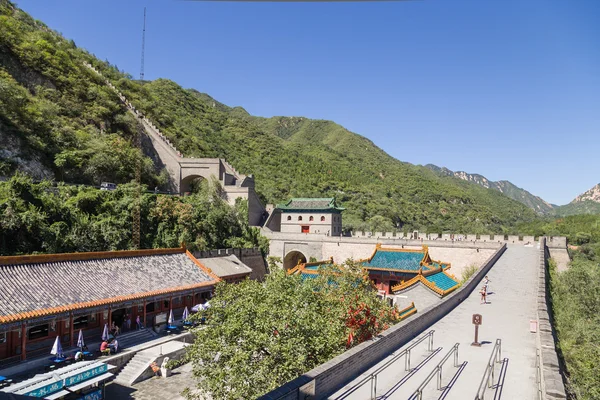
{"x": 511, "y": 305}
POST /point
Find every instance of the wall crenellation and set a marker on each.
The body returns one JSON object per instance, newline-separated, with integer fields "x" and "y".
{"x": 554, "y": 241}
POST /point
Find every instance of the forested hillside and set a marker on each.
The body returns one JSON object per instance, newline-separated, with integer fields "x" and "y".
{"x": 65, "y": 218}
{"x": 59, "y": 121}
{"x": 295, "y": 156}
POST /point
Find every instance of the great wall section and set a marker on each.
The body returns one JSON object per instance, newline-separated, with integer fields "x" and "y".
{"x": 182, "y": 171}
{"x": 519, "y": 318}
{"x": 517, "y": 358}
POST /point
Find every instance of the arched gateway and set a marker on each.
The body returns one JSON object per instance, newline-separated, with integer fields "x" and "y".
{"x": 293, "y": 258}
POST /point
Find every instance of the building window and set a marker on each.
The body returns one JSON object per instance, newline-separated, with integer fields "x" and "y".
{"x": 310, "y": 218}
{"x": 305, "y": 229}
{"x": 322, "y": 218}
{"x": 289, "y": 218}
{"x": 166, "y": 304}
{"x": 300, "y": 218}
{"x": 37, "y": 332}
{"x": 80, "y": 322}
{"x": 150, "y": 307}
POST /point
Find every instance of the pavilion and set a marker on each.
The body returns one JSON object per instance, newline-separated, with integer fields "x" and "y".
{"x": 55, "y": 295}
{"x": 395, "y": 270}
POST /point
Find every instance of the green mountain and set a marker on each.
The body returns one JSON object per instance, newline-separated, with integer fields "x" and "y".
{"x": 61, "y": 122}
{"x": 586, "y": 203}
{"x": 536, "y": 203}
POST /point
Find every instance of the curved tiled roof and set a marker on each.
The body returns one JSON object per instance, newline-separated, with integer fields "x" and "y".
{"x": 399, "y": 260}
{"x": 44, "y": 288}
{"x": 442, "y": 280}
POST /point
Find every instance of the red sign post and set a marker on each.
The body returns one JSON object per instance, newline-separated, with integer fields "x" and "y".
{"x": 476, "y": 321}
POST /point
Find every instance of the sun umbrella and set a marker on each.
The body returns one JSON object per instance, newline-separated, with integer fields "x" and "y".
{"x": 105, "y": 332}
{"x": 206, "y": 306}
{"x": 80, "y": 342}
{"x": 171, "y": 319}
{"x": 186, "y": 314}
{"x": 197, "y": 308}
{"x": 57, "y": 348}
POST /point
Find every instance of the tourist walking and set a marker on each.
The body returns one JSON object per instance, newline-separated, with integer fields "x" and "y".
{"x": 483, "y": 295}
{"x": 486, "y": 284}
{"x": 138, "y": 323}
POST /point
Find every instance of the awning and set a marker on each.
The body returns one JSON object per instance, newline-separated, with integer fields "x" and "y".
{"x": 90, "y": 382}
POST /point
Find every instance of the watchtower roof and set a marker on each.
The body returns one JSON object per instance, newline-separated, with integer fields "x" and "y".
{"x": 310, "y": 204}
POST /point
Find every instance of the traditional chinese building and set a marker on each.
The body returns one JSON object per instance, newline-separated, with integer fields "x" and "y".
{"x": 50, "y": 295}
{"x": 307, "y": 215}
{"x": 228, "y": 268}
{"x": 394, "y": 270}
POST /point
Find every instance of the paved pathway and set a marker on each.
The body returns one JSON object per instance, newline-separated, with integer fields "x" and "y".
{"x": 511, "y": 306}
{"x": 155, "y": 388}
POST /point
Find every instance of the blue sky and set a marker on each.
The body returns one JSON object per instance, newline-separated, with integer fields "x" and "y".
{"x": 508, "y": 89}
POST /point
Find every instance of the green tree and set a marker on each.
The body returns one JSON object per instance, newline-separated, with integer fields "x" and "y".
{"x": 277, "y": 330}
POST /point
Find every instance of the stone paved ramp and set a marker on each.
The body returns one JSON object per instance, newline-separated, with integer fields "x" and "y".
{"x": 512, "y": 306}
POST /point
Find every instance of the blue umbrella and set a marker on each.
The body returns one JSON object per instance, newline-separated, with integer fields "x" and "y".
{"x": 80, "y": 342}
{"x": 57, "y": 348}
{"x": 186, "y": 314}
{"x": 105, "y": 332}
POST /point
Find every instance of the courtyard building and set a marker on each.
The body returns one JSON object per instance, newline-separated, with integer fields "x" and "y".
{"x": 55, "y": 295}
{"x": 395, "y": 270}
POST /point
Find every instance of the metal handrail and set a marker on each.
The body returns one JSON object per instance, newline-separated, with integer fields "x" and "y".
{"x": 495, "y": 357}
{"x": 406, "y": 352}
{"x": 418, "y": 394}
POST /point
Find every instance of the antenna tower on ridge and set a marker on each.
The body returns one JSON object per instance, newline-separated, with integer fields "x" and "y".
{"x": 143, "y": 45}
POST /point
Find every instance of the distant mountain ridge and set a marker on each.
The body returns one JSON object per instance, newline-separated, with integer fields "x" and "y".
{"x": 591, "y": 195}
{"x": 586, "y": 203}
{"x": 507, "y": 188}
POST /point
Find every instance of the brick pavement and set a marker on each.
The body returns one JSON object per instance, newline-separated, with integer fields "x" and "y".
{"x": 155, "y": 388}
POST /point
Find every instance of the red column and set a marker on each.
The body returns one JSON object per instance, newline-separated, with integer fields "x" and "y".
{"x": 23, "y": 341}
{"x": 144, "y": 319}
{"x": 71, "y": 329}
{"x": 109, "y": 317}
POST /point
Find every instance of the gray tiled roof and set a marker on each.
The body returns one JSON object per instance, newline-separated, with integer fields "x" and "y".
{"x": 225, "y": 266}
{"x": 29, "y": 287}
{"x": 310, "y": 204}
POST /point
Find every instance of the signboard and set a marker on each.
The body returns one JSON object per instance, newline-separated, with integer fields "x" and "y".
{"x": 85, "y": 375}
{"x": 160, "y": 319}
{"x": 46, "y": 390}
{"x": 476, "y": 321}
{"x": 95, "y": 395}
{"x": 533, "y": 324}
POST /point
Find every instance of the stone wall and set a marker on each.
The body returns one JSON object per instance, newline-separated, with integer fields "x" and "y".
{"x": 561, "y": 256}
{"x": 326, "y": 378}
{"x": 550, "y": 367}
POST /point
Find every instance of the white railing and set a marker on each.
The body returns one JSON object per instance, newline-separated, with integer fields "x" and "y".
{"x": 437, "y": 371}
{"x": 372, "y": 377}
{"x": 487, "y": 380}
